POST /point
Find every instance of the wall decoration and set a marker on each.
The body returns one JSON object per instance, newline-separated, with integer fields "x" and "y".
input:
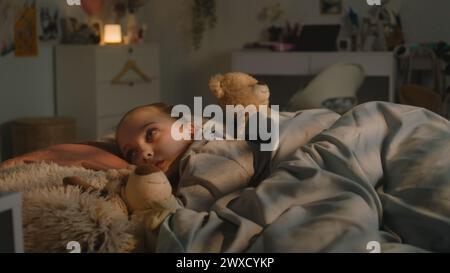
{"x": 25, "y": 32}
{"x": 74, "y": 32}
{"x": 92, "y": 7}
{"x": 329, "y": 7}
{"x": 49, "y": 24}
{"x": 8, "y": 11}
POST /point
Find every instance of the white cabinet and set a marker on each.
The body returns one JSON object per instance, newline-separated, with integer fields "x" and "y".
{"x": 84, "y": 90}
{"x": 268, "y": 63}
{"x": 311, "y": 63}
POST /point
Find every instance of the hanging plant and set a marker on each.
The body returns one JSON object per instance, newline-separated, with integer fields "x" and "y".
{"x": 203, "y": 17}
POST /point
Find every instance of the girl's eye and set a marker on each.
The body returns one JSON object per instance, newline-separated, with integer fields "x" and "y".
{"x": 150, "y": 134}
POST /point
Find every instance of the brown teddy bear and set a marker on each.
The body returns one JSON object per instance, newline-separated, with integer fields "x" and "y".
{"x": 145, "y": 193}
{"x": 144, "y": 188}
{"x": 239, "y": 89}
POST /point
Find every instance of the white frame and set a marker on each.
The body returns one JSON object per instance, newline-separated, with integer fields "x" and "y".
{"x": 13, "y": 201}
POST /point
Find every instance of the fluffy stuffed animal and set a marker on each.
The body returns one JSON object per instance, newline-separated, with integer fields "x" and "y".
{"x": 144, "y": 193}
{"x": 239, "y": 89}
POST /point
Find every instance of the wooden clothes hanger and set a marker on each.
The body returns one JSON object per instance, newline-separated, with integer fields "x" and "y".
{"x": 130, "y": 65}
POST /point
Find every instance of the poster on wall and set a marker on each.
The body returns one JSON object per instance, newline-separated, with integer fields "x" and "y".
{"x": 8, "y": 11}
{"x": 330, "y": 7}
{"x": 25, "y": 32}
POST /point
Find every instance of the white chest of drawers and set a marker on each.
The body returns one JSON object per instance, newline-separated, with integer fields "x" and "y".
{"x": 84, "y": 90}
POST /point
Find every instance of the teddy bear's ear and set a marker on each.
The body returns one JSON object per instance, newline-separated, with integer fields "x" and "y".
{"x": 215, "y": 86}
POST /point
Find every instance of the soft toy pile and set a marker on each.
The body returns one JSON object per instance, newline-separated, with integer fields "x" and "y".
{"x": 102, "y": 211}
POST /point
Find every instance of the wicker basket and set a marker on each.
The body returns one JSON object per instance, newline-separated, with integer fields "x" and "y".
{"x": 31, "y": 134}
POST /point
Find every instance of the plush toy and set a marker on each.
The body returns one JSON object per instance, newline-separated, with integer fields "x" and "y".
{"x": 144, "y": 191}
{"x": 239, "y": 89}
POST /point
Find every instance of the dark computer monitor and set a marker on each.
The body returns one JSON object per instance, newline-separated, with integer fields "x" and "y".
{"x": 318, "y": 38}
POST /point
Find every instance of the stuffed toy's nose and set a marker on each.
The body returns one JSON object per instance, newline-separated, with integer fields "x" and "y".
{"x": 146, "y": 170}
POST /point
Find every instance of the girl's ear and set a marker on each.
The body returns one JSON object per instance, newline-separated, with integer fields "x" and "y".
{"x": 216, "y": 87}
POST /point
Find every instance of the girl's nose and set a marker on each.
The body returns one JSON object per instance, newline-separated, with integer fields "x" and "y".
{"x": 147, "y": 156}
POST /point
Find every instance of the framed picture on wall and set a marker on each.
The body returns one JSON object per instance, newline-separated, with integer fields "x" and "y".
{"x": 329, "y": 7}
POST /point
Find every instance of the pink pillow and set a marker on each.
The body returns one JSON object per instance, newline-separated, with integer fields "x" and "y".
{"x": 83, "y": 155}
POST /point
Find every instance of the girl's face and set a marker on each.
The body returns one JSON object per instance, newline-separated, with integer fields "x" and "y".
{"x": 145, "y": 137}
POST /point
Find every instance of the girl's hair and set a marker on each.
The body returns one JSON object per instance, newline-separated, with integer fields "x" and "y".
{"x": 162, "y": 107}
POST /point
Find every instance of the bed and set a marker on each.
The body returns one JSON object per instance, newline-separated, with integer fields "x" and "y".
{"x": 378, "y": 174}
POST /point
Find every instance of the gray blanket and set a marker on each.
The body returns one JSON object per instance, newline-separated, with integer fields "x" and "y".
{"x": 377, "y": 180}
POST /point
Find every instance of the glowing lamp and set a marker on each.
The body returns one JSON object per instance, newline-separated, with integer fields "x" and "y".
{"x": 113, "y": 34}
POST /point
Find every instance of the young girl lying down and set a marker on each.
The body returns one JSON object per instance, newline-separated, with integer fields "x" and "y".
{"x": 200, "y": 171}
{"x": 380, "y": 173}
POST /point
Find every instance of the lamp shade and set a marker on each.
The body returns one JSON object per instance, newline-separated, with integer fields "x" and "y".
{"x": 113, "y": 34}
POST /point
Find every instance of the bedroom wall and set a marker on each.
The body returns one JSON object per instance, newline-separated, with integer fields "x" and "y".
{"x": 186, "y": 73}
{"x": 26, "y": 84}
